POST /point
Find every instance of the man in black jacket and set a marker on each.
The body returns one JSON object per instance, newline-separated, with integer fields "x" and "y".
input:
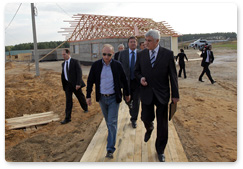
{"x": 108, "y": 75}
{"x": 128, "y": 59}
{"x": 208, "y": 58}
{"x": 72, "y": 82}
{"x": 155, "y": 69}
{"x": 121, "y": 47}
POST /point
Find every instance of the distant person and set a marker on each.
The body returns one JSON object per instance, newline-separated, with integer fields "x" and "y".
{"x": 181, "y": 56}
{"x": 121, "y": 47}
{"x": 108, "y": 76}
{"x": 72, "y": 82}
{"x": 142, "y": 45}
{"x": 128, "y": 59}
{"x": 155, "y": 69}
{"x": 208, "y": 58}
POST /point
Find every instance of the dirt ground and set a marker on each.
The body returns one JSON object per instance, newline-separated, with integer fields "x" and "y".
{"x": 206, "y": 120}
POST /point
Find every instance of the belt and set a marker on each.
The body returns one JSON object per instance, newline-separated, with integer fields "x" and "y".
{"x": 108, "y": 95}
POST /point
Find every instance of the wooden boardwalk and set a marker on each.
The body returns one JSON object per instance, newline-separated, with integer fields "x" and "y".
{"x": 130, "y": 146}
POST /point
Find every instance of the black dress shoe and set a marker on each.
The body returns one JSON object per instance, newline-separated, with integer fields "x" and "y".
{"x": 65, "y": 121}
{"x": 200, "y": 80}
{"x": 161, "y": 157}
{"x": 147, "y": 136}
{"x": 86, "y": 111}
{"x": 109, "y": 154}
{"x": 134, "y": 124}
{"x": 213, "y": 82}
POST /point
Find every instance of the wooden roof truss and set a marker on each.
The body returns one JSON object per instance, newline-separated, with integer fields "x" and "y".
{"x": 90, "y": 27}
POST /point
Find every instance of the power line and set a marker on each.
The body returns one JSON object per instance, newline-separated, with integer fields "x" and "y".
{"x": 13, "y": 16}
{"x": 63, "y": 10}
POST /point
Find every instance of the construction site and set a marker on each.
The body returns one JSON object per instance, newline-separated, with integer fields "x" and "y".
{"x": 204, "y": 128}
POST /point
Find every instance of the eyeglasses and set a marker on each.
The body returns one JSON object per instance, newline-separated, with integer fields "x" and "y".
{"x": 108, "y": 54}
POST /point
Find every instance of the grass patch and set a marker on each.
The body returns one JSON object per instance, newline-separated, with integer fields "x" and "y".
{"x": 229, "y": 45}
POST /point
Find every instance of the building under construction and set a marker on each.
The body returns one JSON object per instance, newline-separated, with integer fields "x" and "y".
{"x": 88, "y": 33}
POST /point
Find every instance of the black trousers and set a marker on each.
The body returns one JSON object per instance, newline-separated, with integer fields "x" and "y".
{"x": 182, "y": 67}
{"x": 69, "y": 90}
{"x": 148, "y": 115}
{"x": 135, "y": 100}
{"x": 207, "y": 71}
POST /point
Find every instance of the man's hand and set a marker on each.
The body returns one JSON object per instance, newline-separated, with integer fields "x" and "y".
{"x": 88, "y": 101}
{"x": 77, "y": 87}
{"x": 175, "y": 100}
{"x": 127, "y": 98}
{"x": 143, "y": 81}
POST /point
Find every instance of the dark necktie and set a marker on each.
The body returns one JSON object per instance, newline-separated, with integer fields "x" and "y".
{"x": 152, "y": 58}
{"x": 132, "y": 66}
{"x": 67, "y": 69}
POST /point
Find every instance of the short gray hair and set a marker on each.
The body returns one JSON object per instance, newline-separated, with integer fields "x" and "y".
{"x": 153, "y": 33}
{"x": 121, "y": 45}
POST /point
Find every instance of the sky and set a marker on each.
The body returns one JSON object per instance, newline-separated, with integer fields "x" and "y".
{"x": 184, "y": 18}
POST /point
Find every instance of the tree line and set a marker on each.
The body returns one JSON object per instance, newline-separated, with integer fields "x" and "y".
{"x": 40, "y": 45}
{"x": 208, "y": 36}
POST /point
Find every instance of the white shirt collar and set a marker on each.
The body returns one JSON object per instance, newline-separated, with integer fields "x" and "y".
{"x": 155, "y": 49}
{"x": 135, "y": 50}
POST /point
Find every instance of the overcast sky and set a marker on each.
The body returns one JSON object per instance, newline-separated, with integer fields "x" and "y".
{"x": 183, "y": 17}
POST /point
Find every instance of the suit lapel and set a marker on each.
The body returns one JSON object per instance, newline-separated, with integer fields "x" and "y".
{"x": 147, "y": 59}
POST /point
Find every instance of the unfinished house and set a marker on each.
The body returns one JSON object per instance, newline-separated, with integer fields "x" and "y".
{"x": 88, "y": 33}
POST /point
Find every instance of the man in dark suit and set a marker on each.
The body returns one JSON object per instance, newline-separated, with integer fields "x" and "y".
{"x": 72, "y": 82}
{"x": 128, "y": 59}
{"x": 120, "y": 48}
{"x": 108, "y": 76}
{"x": 155, "y": 69}
{"x": 208, "y": 58}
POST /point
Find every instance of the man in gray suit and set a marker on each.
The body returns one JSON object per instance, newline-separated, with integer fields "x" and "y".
{"x": 128, "y": 59}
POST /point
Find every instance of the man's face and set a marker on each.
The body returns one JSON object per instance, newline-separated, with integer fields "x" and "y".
{"x": 132, "y": 44}
{"x": 142, "y": 46}
{"x": 120, "y": 48}
{"x": 107, "y": 54}
{"x": 65, "y": 55}
{"x": 150, "y": 43}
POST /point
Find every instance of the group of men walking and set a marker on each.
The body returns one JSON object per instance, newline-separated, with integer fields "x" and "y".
{"x": 147, "y": 76}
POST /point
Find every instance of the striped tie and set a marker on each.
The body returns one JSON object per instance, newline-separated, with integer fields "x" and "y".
{"x": 152, "y": 58}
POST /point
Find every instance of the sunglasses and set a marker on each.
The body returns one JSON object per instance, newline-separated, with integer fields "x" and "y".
{"x": 108, "y": 54}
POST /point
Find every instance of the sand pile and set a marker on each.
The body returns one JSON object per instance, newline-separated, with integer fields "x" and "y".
{"x": 27, "y": 94}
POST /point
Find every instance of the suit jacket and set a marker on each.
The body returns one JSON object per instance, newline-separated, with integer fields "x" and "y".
{"x": 204, "y": 56}
{"x": 74, "y": 74}
{"x": 181, "y": 58}
{"x": 116, "y": 56}
{"x": 124, "y": 59}
{"x": 119, "y": 78}
{"x": 158, "y": 77}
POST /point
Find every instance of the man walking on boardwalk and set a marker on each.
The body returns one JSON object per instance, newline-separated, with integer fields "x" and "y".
{"x": 108, "y": 75}
{"x": 155, "y": 69}
{"x": 128, "y": 59}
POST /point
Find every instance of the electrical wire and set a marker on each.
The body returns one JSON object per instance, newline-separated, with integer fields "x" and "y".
{"x": 63, "y": 10}
{"x": 13, "y": 17}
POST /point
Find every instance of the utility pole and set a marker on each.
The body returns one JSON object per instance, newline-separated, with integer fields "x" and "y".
{"x": 35, "y": 40}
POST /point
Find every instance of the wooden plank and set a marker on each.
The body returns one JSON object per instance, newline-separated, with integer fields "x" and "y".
{"x": 24, "y": 119}
{"x": 138, "y": 141}
{"x": 16, "y": 126}
{"x": 31, "y": 120}
{"x": 95, "y": 144}
{"x": 130, "y": 145}
{"x": 29, "y": 116}
{"x": 175, "y": 141}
